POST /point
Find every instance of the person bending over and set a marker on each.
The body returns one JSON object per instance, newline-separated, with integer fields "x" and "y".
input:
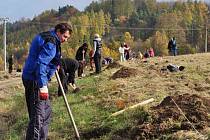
{"x": 67, "y": 75}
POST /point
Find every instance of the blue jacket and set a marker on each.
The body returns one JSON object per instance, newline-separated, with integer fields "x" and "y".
{"x": 43, "y": 59}
{"x": 174, "y": 45}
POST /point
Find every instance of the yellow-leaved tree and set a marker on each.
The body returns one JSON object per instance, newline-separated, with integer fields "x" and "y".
{"x": 108, "y": 52}
{"x": 146, "y": 45}
{"x": 160, "y": 43}
{"x": 128, "y": 39}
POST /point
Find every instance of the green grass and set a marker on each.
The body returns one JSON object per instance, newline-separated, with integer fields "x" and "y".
{"x": 96, "y": 101}
{"x": 17, "y": 117}
{"x": 90, "y": 116}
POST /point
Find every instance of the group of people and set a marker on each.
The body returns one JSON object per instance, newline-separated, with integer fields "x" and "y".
{"x": 124, "y": 51}
{"x": 43, "y": 60}
{"x": 149, "y": 53}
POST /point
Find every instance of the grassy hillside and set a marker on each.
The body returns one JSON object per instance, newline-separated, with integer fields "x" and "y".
{"x": 122, "y": 85}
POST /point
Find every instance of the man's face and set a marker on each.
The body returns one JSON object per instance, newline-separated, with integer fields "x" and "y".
{"x": 63, "y": 37}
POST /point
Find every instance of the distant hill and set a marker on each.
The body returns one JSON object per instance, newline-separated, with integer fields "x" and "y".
{"x": 140, "y": 23}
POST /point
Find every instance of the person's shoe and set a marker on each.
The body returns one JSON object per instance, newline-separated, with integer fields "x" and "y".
{"x": 76, "y": 90}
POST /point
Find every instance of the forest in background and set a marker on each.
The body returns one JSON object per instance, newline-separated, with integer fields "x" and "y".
{"x": 140, "y": 23}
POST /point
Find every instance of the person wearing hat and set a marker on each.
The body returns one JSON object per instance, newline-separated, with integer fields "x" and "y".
{"x": 97, "y": 52}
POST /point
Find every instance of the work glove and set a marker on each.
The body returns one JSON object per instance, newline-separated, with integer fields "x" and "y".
{"x": 43, "y": 93}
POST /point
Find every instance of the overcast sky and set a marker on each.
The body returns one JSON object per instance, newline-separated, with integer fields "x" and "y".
{"x": 16, "y": 9}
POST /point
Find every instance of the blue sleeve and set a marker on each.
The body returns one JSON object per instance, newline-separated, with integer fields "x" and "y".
{"x": 52, "y": 69}
{"x": 46, "y": 54}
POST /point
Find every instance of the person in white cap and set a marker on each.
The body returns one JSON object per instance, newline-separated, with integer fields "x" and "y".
{"x": 97, "y": 45}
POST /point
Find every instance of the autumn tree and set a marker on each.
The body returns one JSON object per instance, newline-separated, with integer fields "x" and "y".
{"x": 160, "y": 43}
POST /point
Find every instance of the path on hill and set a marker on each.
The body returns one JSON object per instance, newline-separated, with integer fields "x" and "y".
{"x": 7, "y": 85}
{"x": 10, "y": 82}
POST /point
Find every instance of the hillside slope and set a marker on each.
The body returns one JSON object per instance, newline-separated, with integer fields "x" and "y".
{"x": 121, "y": 85}
{"x": 187, "y": 90}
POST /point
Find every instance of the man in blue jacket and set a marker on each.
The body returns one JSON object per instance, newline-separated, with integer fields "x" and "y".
{"x": 42, "y": 62}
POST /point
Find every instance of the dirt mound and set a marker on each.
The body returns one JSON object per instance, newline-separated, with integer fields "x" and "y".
{"x": 167, "y": 118}
{"x": 192, "y": 105}
{"x": 113, "y": 65}
{"x": 125, "y": 72}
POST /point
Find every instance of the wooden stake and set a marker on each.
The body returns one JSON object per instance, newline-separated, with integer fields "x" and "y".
{"x": 134, "y": 106}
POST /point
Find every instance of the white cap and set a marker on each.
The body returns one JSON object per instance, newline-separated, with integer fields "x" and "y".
{"x": 96, "y": 35}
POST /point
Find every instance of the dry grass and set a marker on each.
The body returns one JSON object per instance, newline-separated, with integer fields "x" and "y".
{"x": 150, "y": 81}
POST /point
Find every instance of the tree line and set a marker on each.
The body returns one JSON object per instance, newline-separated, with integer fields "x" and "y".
{"x": 140, "y": 23}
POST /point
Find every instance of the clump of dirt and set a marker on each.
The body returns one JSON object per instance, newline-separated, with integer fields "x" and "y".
{"x": 125, "y": 72}
{"x": 113, "y": 65}
{"x": 167, "y": 118}
{"x": 4, "y": 76}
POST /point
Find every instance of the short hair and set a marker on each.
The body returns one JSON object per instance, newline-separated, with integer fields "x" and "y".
{"x": 63, "y": 27}
{"x": 85, "y": 44}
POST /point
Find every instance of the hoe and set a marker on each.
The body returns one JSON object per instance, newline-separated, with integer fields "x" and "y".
{"x": 67, "y": 105}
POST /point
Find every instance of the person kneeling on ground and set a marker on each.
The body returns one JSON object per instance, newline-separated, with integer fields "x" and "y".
{"x": 175, "y": 68}
{"x": 66, "y": 73}
{"x": 107, "y": 60}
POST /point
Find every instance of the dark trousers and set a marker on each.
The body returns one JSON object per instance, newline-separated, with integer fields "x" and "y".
{"x": 174, "y": 52}
{"x": 10, "y": 68}
{"x": 81, "y": 68}
{"x": 127, "y": 56}
{"x": 97, "y": 61}
{"x": 66, "y": 78}
{"x": 39, "y": 112}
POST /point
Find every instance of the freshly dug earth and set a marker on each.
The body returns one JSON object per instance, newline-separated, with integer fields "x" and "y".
{"x": 113, "y": 65}
{"x": 125, "y": 72}
{"x": 167, "y": 118}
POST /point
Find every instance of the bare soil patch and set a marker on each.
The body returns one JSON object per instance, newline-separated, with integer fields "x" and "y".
{"x": 114, "y": 65}
{"x": 167, "y": 118}
{"x": 125, "y": 72}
